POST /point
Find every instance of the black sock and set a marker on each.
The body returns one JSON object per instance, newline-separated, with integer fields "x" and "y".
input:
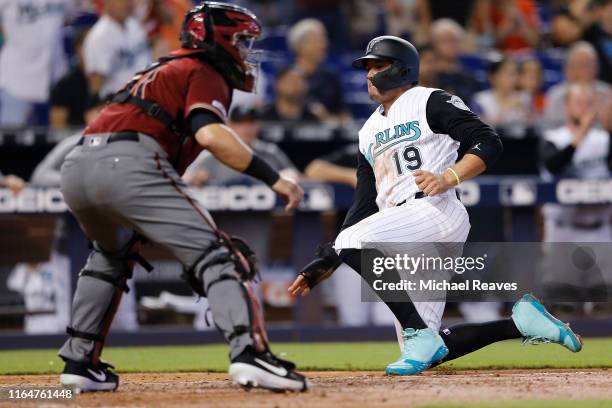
{"x": 405, "y": 312}
{"x": 464, "y": 338}
{"x": 407, "y": 315}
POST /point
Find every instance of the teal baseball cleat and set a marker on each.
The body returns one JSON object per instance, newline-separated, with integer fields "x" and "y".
{"x": 538, "y": 326}
{"x": 422, "y": 348}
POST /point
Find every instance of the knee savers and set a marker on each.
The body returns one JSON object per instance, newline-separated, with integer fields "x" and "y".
{"x": 236, "y": 311}
{"x": 226, "y": 250}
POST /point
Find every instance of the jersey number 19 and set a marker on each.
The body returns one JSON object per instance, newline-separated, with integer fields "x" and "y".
{"x": 410, "y": 158}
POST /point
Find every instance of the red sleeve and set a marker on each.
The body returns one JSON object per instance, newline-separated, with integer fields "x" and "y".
{"x": 207, "y": 90}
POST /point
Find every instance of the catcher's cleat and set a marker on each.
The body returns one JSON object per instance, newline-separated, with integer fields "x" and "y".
{"x": 85, "y": 377}
{"x": 422, "y": 348}
{"x": 538, "y": 326}
{"x": 252, "y": 369}
{"x": 289, "y": 365}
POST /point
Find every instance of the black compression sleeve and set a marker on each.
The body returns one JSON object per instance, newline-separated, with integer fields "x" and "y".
{"x": 556, "y": 160}
{"x": 447, "y": 114}
{"x": 261, "y": 170}
{"x": 465, "y": 338}
{"x": 404, "y": 311}
{"x": 364, "y": 198}
{"x": 201, "y": 118}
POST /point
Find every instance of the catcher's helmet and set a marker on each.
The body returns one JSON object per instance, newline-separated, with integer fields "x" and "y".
{"x": 405, "y": 58}
{"x": 225, "y": 32}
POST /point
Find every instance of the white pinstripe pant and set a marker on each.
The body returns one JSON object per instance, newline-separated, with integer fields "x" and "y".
{"x": 439, "y": 219}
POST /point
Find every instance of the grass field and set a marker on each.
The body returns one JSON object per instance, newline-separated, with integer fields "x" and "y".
{"x": 316, "y": 356}
{"x": 343, "y": 375}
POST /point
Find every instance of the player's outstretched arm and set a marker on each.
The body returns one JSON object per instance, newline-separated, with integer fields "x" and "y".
{"x": 318, "y": 270}
{"x": 223, "y": 143}
{"x": 364, "y": 205}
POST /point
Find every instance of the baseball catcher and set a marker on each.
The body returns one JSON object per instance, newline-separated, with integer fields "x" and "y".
{"x": 122, "y": 182}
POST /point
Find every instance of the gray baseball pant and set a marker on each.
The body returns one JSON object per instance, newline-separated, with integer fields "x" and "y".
{"x": 119, "y": 188}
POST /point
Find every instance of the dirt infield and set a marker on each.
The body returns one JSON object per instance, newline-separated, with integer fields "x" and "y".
{"x": 341, "y": 389}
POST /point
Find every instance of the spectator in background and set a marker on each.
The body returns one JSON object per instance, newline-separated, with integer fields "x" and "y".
{"x": 599, "y": 35}
{"x": 246, "y": 123}
{"x": 579, "y": 149}
{"x": 428, "y": 67}
{"x": 447, "y": 37}
{"x": 271, "y": 13}
{"x": 408, "y": 19}
{"x": 70, "y": 96}
{"x": 511, "y": 24}
{"x": 12, "y": 182}
{"x": 115, "y": 48}
{"x": 459, "y": 11}
{"x": 31, "y": 59}
{"x": 46, "y": 291}
{"x": 289, "y": 99}
{"x": 331, "y": 13}
{"x": 504, "y": 105}
{"x": 308, "y": 40}
{"x": 252, "y": 100}
{"x": 47, "y": 172}
{"x": 162, "y": 21}
{"x": 366, "y": 19}
{"x": 531, "y": 81}
{"x": 570, "y": 19}
{"x": 581, "y": 66}
{"x": 337, "y": 167}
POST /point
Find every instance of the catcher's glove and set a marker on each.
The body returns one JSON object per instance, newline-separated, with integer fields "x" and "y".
{"x": 316, "y": 271}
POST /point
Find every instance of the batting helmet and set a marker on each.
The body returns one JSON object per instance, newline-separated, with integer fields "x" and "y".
{"x": 404, "y": 57}
{"x": 224, "y": 32}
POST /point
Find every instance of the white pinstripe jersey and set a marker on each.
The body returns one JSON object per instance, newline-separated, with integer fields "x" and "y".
{"x": 401, "y": 142}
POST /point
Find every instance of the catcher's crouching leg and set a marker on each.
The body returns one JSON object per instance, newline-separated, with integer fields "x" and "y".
{"x": 233, "y": 304}
{"x": 236, "y": 312}
{"x": 99, "y": 290}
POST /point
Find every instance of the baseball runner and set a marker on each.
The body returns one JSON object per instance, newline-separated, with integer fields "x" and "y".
{"x": 122, "y": 182}
{"x": 406, "y": 191}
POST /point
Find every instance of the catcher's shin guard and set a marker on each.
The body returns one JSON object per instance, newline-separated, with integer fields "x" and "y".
{"x": 99, "y": 291}
{"x": 223, "y": 276}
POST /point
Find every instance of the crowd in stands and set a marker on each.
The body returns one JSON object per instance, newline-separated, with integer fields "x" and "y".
{"x": 511, "y": 61}
{"x": 530, "y": 68}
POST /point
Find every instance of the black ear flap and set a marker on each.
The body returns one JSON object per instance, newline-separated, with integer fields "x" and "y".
{"x": 397, "y": 71}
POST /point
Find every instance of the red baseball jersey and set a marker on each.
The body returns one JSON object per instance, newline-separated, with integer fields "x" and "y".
{"x": 180, "y": 87}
